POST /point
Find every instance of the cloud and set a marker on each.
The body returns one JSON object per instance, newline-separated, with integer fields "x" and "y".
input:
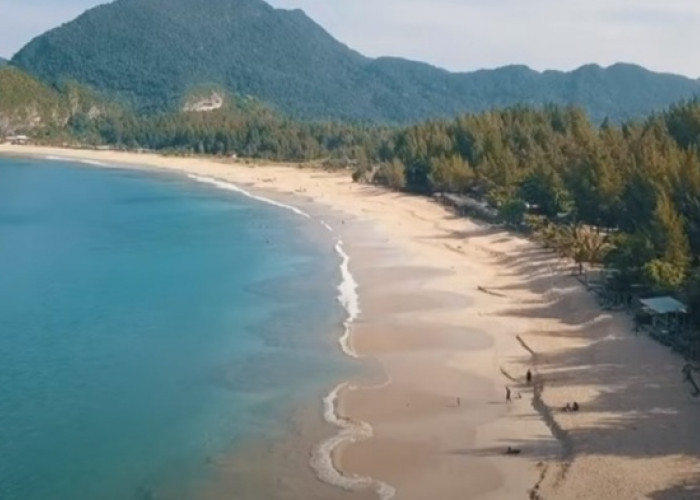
{"x": 544, "y": 34}
{"x": 464, "y": 35}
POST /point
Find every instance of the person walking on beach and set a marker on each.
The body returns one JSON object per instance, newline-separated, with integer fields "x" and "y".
{"x": 507, "y": 394}
{"x": 528, "y": 377}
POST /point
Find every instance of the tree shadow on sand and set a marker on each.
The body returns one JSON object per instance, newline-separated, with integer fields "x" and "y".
{"x": 642, "y": 408}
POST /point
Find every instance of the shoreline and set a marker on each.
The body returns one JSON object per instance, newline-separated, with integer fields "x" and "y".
{"x": 348, "y": 431}
{"x": 449, "y": 349}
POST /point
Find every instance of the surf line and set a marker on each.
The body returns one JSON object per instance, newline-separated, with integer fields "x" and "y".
{"x": 350, "y": 431}
{"x": 71, "y": 159}
{"x": 233, "y": 187}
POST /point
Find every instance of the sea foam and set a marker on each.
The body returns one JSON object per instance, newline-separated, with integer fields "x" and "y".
{"x": 233, "y": 187}
{"x": 76, "y": 160}
{"x": 57, "y": 158}
{"x": 95, "y": 163}
{"x": 348, "y": 298}
{"x": 350, "y": 431}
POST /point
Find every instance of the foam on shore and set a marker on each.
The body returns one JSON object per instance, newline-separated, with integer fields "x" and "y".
{"x": 57, "y": 158}
{"x": 350, "y": 431}
{"x": 76, "y": 160}
{"x": 233, "y": 187}
{"x": 348, "y": 298}
{"x": 94, "y": 162}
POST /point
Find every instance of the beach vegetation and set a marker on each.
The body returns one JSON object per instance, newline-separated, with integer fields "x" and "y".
{"x": 513, "y": 213}
{"x": 391, "y": 175}
{"x": 662, "y": 276}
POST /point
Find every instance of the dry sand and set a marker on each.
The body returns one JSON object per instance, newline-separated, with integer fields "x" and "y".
{"x": 447, "y": 350}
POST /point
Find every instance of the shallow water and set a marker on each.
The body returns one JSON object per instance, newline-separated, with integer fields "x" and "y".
{"x": 147, "y": 324}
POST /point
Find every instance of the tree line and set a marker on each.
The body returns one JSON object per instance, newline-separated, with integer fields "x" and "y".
{"x": 624, "y": 195}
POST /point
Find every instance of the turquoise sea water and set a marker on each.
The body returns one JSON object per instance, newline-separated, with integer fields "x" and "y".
{"x": 147, "y": 324}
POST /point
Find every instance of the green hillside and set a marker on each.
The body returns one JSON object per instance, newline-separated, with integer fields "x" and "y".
{"x": 28, "y": 105}
{"x": 149, "y": 53}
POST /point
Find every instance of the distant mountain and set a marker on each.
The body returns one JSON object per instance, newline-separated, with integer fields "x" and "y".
{"x": 3, "y": 61}
{"x": 152, "y": 53}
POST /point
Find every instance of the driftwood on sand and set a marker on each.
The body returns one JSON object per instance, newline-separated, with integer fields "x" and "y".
{"x": 489, "y": 292}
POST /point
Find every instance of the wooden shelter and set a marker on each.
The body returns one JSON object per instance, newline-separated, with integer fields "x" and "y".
{"x": 668, "y": 315}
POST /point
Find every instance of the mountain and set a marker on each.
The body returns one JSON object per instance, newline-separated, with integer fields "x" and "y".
{"x": 3, "y": 61}
{"x": 152, "y": 53}
{"x": 27, "y": 105}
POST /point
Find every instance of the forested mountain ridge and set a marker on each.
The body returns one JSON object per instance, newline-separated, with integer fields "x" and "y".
{"x": 151, "y": 53}
{"x": 3, "y": 61}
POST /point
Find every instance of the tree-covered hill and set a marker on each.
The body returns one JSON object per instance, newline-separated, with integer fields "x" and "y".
{"x": 3, "y": 61}
{"x": 150, "y": 53}
{"x": 28, "y": 105}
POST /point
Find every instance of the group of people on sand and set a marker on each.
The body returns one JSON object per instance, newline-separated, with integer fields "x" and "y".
{"x": 528, "y": 377}
{"x": 571, "y": 407}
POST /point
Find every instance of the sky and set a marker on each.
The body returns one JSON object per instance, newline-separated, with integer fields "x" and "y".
{"x": 464, "y": 35}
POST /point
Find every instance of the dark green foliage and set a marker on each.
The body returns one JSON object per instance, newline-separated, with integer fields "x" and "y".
{"x": 513, "y": 213}
{"x": 392, "y": 175}
{"x": 245, "y": 128}
{"x": 628, "y": 195}
{"x": 151, "y": 53}
{"x": 449, "y": 173}
{"x": 662, "y": 276}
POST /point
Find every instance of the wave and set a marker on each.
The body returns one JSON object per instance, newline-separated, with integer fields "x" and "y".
{"x": 233, "y": 187}
{"x": 348, "y": 298}
{"x": 57, "y": 158}
{"x": 94, "y": 162}
{"x": 76, "y": 160}
{"x": 350, "y": 431}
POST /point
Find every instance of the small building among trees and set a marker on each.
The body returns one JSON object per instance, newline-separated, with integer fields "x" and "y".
{"x": 17, "y": 139}
{"x": 665, "y": 315}
{"x": 465, "y": 206}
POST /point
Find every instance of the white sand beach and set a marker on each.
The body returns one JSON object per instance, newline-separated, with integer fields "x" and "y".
{"x": 447, "y": 350}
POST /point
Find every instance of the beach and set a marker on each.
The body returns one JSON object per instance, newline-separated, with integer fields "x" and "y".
{"x": 449, "y": 312}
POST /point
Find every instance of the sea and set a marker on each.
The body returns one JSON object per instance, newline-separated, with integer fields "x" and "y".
{"x": 151, "y": 323}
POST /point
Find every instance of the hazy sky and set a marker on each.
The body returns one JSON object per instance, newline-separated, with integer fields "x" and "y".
{"x": 465, "y": 34}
